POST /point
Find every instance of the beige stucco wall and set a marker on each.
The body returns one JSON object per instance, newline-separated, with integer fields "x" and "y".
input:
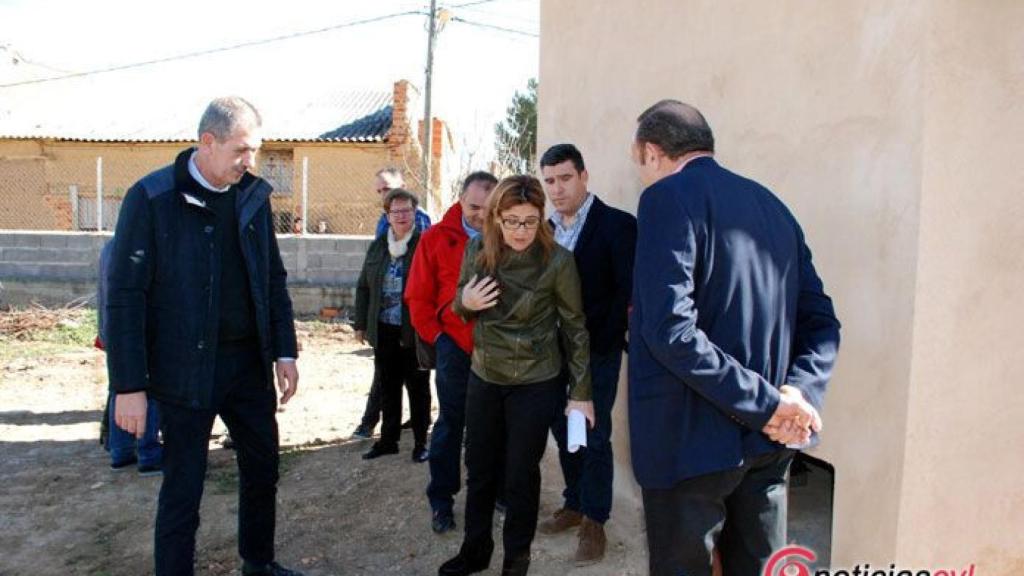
{"x": 890, "y": 129}
{"x": 964, "y": 481}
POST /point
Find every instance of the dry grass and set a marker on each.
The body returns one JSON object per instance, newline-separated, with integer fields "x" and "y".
{"x": 34, "y": 322}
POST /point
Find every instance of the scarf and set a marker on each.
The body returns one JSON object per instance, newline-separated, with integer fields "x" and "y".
{"x": 398, "y": 248}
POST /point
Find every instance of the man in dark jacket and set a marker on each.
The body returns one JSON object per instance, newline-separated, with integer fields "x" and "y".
{"x": 602, "y": 240}
{"x": 197, "y": 314}
{"x": 732, "y": 343}
{"x": 431, "y": 289}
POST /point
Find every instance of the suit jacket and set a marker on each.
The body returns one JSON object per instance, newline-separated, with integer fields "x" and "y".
{"x": 727, "y": 307}
{"x": 604, "y": 259}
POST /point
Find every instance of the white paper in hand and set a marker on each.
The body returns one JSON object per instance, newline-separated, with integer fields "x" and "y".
{"x": 577, "y": 430}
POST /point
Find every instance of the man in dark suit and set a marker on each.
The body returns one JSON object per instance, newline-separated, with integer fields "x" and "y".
{"x": 602, "y": 240}
{"x": 732, "y": 343}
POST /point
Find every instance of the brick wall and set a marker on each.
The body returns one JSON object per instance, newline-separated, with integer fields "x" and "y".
{"x": 57, "y": 267}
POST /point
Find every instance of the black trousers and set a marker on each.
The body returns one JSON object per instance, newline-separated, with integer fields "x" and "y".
{"x": 507, "y": 422}
{"x": 246, "y": 402}
{"x": 398, "y": 365}
{"x": 742, "y": 511}
{"x": 371, "y": 414}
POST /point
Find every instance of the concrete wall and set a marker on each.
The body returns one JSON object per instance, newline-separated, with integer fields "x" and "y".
{"x": 54, "y": 268}
{"x": 891, "y": 130}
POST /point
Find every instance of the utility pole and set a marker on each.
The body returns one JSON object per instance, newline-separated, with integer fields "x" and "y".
{"x": 428, "y": 124}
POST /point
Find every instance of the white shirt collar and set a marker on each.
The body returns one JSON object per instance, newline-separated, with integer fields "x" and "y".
{"x": 193, "y": 170}
{"x": 691, "y": 159}
{"x": 567, "y": 236}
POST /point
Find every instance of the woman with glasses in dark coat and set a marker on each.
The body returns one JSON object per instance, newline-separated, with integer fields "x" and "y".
{"x": 382, "y": 319}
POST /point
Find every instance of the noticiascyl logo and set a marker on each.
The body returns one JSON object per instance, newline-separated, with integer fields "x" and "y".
{"x": 790, "y": 561}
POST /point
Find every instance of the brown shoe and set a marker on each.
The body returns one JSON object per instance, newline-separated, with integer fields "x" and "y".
{"x": 562, "y": 520}
{"x": 592, "y": 543}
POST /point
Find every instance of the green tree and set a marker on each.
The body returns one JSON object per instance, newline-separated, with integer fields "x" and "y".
{"x": 516, "y": 136}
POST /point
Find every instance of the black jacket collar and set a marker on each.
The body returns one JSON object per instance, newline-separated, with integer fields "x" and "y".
{"x": 596, "y": 209}
{"x": 253, "y": 191}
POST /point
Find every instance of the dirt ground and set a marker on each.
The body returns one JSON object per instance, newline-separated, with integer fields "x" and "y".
{"x": 63, "y": 511}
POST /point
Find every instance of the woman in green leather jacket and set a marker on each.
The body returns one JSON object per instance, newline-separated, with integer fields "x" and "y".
{"x": 524, "y": 293}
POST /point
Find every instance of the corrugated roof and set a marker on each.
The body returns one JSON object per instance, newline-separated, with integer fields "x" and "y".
{"x": 339, "y": 116}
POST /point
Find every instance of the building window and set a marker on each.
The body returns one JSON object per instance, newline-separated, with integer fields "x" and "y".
{"x": 276, "y": 167}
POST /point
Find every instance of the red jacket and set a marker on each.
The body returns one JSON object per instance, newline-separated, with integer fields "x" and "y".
{"x": 432, "y": 281}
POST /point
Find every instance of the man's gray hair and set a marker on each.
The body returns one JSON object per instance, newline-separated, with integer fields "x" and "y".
{"x": 224, "y": 115}
{"x": 391, "y": 175}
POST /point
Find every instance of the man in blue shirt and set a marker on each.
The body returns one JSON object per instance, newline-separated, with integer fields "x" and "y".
{"x": 732, "y": 343}
{"x": 602, "y": 240}
{"x": 386, "y": 180}
{"x": 125, "y": 449}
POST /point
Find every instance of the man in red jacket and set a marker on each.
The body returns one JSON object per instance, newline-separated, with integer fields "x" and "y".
{"x": 429, "y": 294}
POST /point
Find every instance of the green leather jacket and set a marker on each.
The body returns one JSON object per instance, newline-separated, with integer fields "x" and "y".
{"x": 517, "y": 341}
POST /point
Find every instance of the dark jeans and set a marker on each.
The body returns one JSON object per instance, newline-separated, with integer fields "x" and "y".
{"x": 246, "y": 403}
{"x": 589, "y": 472}
{"x": 451, "y": 378}
{"x": 742, "y": 511}
{"x": 397, "y": 365}
{"x": 509, "y": 421}
{"x": 371, "y": 414}
{"x": 124, "y": 447}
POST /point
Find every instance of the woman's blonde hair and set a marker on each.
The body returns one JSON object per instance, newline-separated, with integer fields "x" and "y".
{"x": 510, "y": 192}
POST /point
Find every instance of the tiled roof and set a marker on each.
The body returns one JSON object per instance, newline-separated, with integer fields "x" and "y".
{"x": 339, "y": 116}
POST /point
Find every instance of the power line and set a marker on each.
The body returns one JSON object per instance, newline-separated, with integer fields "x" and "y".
{"x": 523, "y": 22}
{"x": 18, "y": 58}
{"x": 213, "y": 50}
{"x": 468, "y": 4}
{"x": 493, "y": 27}
{"x": 475, "y": 7}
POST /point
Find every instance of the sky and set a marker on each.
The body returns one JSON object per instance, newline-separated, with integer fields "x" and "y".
{"x": 476, "y": 68}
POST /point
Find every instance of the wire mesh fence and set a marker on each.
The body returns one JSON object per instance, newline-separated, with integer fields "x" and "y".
{"x": 319, "y": 188}
{"x": 78, "y": 186}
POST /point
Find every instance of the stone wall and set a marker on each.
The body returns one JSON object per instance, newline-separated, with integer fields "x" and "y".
{"x": 54, "y": 268}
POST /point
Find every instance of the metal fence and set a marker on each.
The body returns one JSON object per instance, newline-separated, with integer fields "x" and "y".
{"x": 318, "y": 189}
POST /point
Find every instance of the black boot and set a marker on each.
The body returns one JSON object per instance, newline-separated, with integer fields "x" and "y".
{"x": 272, "y": 569}
{"x": 469, "y": 560}
{"x": 518, "y": 566}
{"x": 378, "y": 450}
